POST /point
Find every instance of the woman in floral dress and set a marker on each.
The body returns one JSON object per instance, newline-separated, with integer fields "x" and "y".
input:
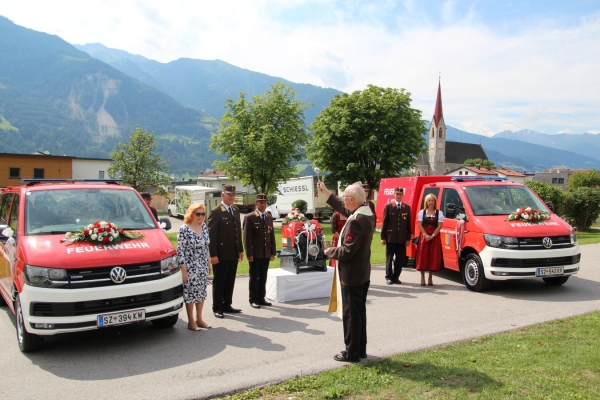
{"x": 193, "y": 257}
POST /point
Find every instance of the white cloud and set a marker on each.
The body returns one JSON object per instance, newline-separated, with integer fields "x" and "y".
{"x": 542, "y": 76}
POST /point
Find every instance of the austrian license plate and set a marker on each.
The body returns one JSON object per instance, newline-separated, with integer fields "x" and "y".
{"x": 121, "y": 318}
{"x": 554, "y": 271}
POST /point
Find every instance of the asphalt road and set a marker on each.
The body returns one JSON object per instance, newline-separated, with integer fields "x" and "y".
{"x": 272, "y": 344}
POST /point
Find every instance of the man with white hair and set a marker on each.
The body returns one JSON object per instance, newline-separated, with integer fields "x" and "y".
{"x": 353, "y": 255}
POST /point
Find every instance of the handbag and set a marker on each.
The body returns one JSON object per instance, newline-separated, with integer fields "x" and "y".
{"x": 416, "y": 240}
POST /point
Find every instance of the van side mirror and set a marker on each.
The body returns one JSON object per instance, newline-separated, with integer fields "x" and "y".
{"x": 164, "y": 223}
{"x": 455, "y": 212}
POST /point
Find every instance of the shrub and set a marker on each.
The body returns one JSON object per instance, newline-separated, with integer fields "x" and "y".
{"x": 548, "y": 192}
{"x": 581, "y": 207}
{"x": 300, "y": 205}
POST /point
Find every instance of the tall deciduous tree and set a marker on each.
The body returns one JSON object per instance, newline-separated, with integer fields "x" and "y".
{"x": 262, "y": 137}
{"x": 135, "y": 163}
{"x": 367, "y": 135}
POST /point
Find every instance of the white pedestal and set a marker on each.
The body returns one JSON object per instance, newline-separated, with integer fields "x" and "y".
{"x": 285, "y": 286}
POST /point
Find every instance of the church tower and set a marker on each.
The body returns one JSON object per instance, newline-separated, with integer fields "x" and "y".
{"x": 437, "y": 138}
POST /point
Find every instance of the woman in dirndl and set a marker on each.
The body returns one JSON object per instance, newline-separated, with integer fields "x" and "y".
{"x": 429, "y": 249}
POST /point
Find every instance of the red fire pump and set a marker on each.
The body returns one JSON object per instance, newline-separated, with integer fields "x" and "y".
{"x": 303, "y": 246}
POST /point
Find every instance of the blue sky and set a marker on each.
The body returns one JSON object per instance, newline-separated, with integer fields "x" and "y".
{"x": 504, "y": 64}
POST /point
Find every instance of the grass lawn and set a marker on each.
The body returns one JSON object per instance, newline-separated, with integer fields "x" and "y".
{"x": 553, "y": 360}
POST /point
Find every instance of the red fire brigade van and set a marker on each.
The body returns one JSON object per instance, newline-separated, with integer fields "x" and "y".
{"x": 478, "y": 240}
{"x": 84, "y": 255}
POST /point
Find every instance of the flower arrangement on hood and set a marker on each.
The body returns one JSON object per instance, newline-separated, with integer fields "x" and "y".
{"x": 294, "y": 216}
{"x": 528, "y": 214}
{"x": 101, "y": 232}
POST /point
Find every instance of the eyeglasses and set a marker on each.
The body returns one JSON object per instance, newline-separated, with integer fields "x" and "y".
{"x": 200, "y": 214}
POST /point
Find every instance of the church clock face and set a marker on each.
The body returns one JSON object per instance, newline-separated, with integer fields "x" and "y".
{"x": 440, "y": 145}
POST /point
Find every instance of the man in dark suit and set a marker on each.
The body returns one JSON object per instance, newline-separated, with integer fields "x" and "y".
{"x": 368, "y": 202}
{"x": 226, "y": 249}
{"x": 353, "y": 255}
{"x": 148, "y": 200}
{"x": 259, "y": 241}
{"x": 396, "y": 233}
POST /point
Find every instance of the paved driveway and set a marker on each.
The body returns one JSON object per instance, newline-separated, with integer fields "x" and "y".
{"x": 268, "y": 345}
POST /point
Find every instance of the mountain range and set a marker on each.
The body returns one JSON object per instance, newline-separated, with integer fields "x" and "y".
{"x": 81, "y": 100}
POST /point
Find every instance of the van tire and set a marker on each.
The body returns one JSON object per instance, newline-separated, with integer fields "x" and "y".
{"x": 165, "y": 322}
{"x": 27, "y": 341}
{"x": 473, "y": 274}
{"x": 556, "y": 280}
{"x": 170, "y": 213}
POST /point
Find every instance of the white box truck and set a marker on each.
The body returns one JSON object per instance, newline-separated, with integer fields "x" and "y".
{"x": 302, "y": 188}
{"x": 186, "y": 195}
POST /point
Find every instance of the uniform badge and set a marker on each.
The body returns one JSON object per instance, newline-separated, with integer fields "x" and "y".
{"x": 349, "y": 238}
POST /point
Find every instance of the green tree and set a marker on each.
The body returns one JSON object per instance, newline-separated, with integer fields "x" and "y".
{"x": 589, "y": 178}
{"x": 262, "y": 137}
{"x": 135, "y": 163}
{"x": 478, "y": 161}
{"x": 367, "y": 135}
{"x": 548, "y": 192}
{"x": 582, "y": 207}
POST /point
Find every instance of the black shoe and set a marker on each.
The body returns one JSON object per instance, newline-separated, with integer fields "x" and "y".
{"x": 232, "y": 310}
{"x": 363, "y": 355}
{"x": 343, "y": 356}
{"x": 219, "y": 314}
{"x": 254, "y": 305}
{"x": 265, "y": 303}
{"x": 389, "y": 281}
{"x": 397, "y": 282}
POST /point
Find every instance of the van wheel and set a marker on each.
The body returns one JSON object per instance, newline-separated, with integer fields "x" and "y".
{"x": 27, "y": 341}
{"x": 166, "y": 322}
{"x": 556, "y": 280}
{"x": 473, "y": 274}
{"x": 170, "y": 213}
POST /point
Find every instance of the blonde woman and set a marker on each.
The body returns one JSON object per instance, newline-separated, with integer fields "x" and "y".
{"x": 429, "y": 249}
{"x": 193, "y": 257}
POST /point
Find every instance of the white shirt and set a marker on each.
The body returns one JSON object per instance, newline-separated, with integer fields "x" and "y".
{"x": 440, "y": 216}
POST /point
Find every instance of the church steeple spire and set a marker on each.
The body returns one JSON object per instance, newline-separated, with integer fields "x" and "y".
{"x": 438, "y": 113}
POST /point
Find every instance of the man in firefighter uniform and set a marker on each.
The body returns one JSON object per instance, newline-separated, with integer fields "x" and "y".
{"x": 396, "y": 233}
{"x": 226, "y": 249}
{"x": 259, "y": 241}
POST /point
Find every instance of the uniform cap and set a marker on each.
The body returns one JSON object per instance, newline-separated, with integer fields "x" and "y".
{"x": 399, "y": 190}
{"x": 146, "y": 195}
{"x": 228, "y": 189}
{"x": 365, "y": 186}
{"x": 261, "y": 197}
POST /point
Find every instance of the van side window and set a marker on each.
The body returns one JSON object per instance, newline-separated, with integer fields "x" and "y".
{"x": 4, "y": 207}
{"x": 450, "y": 196}
{"x": 434, "y": 190}
{"x": 14, "y": 216}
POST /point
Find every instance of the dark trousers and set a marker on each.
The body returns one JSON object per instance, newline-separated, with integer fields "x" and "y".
{"x": 258, "y": 279}
{"x": 223, "y": 283}
{"x": 393, "y": 267}
{"x": 354, "y": 317}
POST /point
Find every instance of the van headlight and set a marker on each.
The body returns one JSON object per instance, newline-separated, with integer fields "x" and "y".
{"x": 573, "y": 239}
{"x": 169, "y": 266}
{"x": 503, "y": 242}
{"x": 45, "y": 277}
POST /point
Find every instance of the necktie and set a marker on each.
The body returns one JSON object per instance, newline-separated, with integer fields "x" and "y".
{"x": 231, "y": 212}
{"x": 262, "y": 216}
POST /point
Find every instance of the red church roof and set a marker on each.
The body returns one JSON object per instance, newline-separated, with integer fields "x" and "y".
{"x": 438, "y": 114}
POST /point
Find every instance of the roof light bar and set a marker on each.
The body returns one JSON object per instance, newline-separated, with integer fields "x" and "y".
{"x": 479, "y": 178}
{"x": 34, "y": 181}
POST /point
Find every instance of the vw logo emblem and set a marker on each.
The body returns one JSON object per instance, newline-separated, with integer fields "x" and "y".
{"x": 118, "y": 275}
{"x": 547, "y": 242}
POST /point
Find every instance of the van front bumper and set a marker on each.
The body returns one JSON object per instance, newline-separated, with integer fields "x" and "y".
{"x": 50, "y": 311}
{"x": 503, "y": 264}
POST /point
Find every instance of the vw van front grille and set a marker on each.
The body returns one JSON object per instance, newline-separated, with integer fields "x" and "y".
{"x": 537, "y": 243}
{"x": 96, "y": 277}
{"x": 535, "y": 262}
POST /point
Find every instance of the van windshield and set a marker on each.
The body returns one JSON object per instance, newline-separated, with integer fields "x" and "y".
{"x": 67, "y": 210}
{"x": 502, "y": 200}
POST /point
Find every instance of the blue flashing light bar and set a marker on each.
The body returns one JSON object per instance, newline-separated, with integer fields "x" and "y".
{"x": 479, "y": 178}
